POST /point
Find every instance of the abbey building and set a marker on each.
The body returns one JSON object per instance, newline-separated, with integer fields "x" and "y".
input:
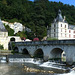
{"x": 60, "y": 29}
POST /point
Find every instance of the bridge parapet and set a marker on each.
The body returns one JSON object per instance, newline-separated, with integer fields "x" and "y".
{"x": 56, "y": 42}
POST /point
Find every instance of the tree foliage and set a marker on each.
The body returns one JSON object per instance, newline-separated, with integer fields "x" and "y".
{"x": 35, "y": 15}
{"x": 1, "y": 46}
{"x": 10, "y": 31}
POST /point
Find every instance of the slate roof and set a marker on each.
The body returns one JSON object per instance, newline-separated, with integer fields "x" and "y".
{"x": 59, "y": 17}
{"x": 2, "y": 27}
{"x": 71, "y": 26}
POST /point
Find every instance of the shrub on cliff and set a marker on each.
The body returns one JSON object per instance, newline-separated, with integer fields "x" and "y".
{"x": 1, "y": 47}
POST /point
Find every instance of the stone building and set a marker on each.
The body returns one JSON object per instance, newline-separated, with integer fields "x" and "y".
{"x": 60, "y": 29}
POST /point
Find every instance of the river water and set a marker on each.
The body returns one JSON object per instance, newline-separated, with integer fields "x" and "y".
{"x": 16, "y": 67}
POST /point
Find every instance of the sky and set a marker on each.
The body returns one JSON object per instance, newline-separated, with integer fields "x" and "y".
{"x": 70, "y": 2}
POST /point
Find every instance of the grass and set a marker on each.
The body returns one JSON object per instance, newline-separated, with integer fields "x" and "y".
{"x": 52, "y": 39}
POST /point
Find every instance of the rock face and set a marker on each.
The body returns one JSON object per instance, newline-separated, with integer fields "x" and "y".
{"x": 15, "y": 26}
{"x": 18, "y": 27}
{"x": 28, "y": 69}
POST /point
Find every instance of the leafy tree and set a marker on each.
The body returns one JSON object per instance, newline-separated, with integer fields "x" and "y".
{"x": 10, "y": 31}
{"x": 21, "y": 34}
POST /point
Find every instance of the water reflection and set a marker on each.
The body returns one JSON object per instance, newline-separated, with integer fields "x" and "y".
{"x": 10, "y": 69}
{"x": 71, "y": 73}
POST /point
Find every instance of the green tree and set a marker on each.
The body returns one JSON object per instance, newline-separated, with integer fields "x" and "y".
{"x": 10, "y": 31}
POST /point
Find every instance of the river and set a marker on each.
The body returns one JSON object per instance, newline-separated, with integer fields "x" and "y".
{"x": 16, "y": 67}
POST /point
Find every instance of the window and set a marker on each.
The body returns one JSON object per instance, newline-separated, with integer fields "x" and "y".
{"x": 61, "y": 34}
{"x": 74, "y": 36}
{"x": 61, "y": 25}
{"x": 61, "y": 30}
{"x": 54, "y": 35}
{"x": 65, "y": 31}
{"x": 65, "y": 26}
{"x": 69, "y": 31}
{"x": 54, "y": 25}
{"x": 74, "y": 31}
{"x": 65, "y": 35}
{"x": 54, "y": 30}
{"x": 4, "y": 34}
{"x": 69, "y": 35}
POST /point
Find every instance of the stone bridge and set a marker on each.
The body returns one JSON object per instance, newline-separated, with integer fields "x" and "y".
{"x": 48, "y": 49}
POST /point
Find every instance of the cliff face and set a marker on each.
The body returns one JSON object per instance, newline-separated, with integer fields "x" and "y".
{"x": 16, "y": 26}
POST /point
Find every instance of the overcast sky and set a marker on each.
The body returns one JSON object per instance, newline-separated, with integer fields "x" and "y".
{"x": 70, "y": 2}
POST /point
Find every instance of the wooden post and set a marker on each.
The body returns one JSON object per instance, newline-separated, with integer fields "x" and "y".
{"x": 7, "y": 60}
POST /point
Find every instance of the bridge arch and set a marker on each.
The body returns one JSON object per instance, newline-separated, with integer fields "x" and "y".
{"x": 26, "y": 52}
{"x": 57, "y": 54}
{"x": 16, "y": 50}
{"x": 12, "y": 39}
{"x": 39, "y": 53}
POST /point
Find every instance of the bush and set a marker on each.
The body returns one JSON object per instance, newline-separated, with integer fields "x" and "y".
{"x": 13, "y": 20}
{"x": 10, "y": 31}
{"x": 1, "y": 47}
{"x": 21, "y": 34}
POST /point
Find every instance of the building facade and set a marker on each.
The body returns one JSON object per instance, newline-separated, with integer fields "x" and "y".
{"x": 60, "y": 29}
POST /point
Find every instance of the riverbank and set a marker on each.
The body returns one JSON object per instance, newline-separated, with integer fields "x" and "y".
{"x": 28, "y": 69}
